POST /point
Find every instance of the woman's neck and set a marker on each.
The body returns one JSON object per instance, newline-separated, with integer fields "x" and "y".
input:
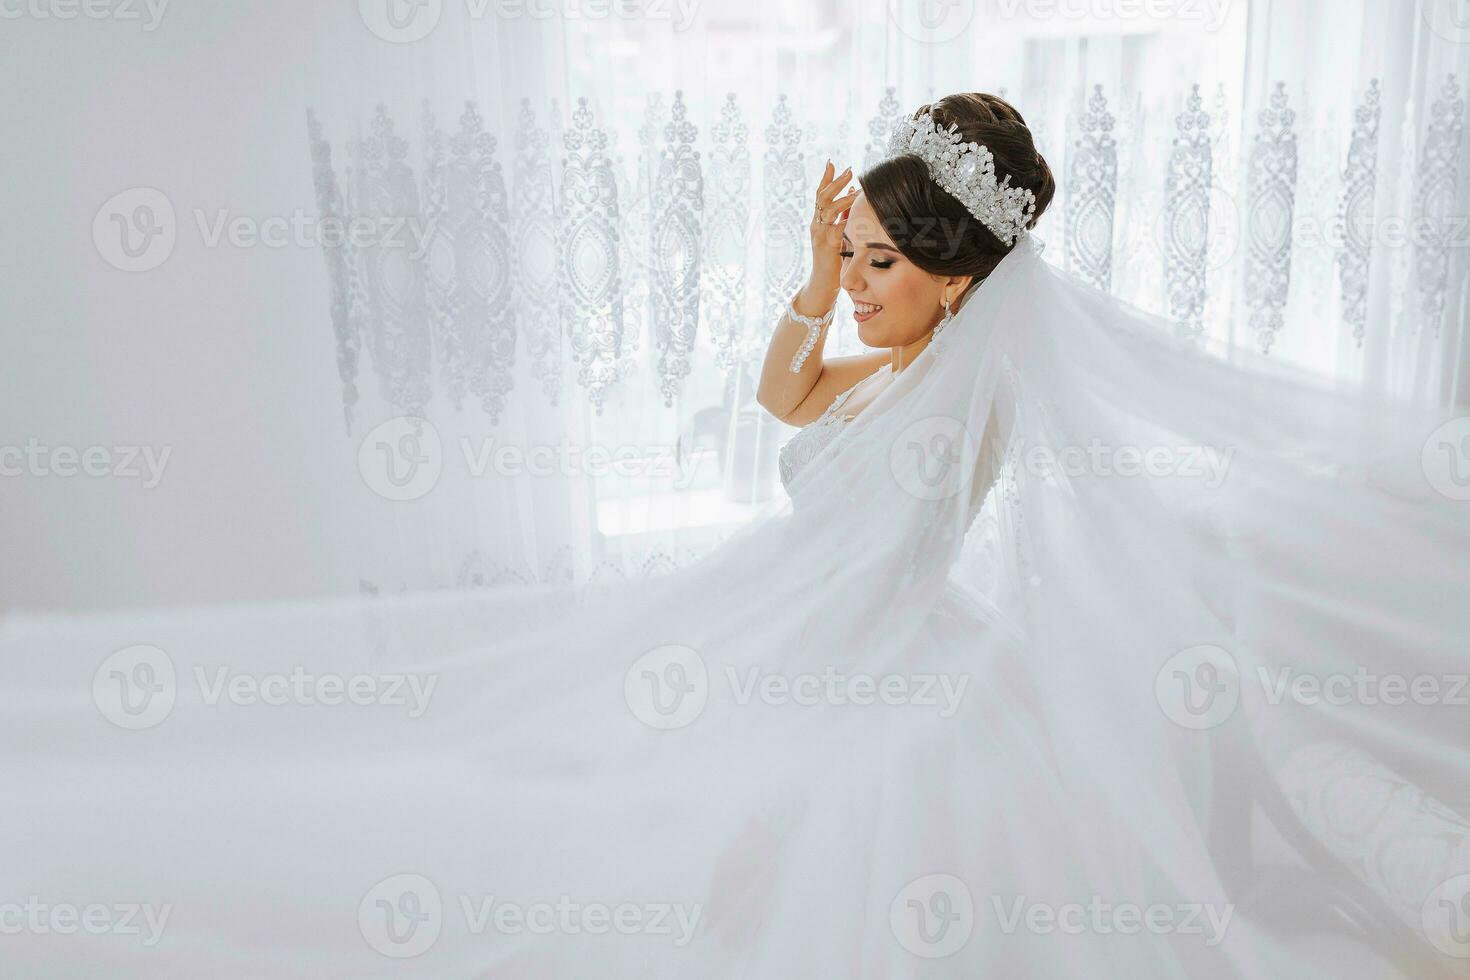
{"x": 904, "y": 356}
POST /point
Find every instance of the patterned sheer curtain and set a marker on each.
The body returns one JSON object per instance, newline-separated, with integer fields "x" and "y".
{"x": 568, "y": 229}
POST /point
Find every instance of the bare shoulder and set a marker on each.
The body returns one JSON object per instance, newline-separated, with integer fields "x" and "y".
{"x": 838, "y": 375}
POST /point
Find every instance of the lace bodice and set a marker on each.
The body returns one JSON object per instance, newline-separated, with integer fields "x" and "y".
{"x": 809, "y": 442}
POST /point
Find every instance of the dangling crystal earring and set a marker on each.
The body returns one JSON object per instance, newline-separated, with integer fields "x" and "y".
{"x": 948, "y": 316}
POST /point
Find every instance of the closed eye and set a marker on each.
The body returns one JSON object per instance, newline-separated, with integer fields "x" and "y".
{"x": 876, "y": 263}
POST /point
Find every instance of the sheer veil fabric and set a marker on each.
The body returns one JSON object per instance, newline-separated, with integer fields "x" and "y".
{"x": 872, "y": 735}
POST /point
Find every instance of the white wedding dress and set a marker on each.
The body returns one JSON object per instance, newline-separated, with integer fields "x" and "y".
{"x": 809, "y": 442}
{"x": 1006, "y": 686}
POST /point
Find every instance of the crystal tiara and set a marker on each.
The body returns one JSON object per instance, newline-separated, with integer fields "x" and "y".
{"x": 967, "y": 172}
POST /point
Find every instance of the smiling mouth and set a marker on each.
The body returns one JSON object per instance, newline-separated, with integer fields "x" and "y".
{"x": 862, "y": 312}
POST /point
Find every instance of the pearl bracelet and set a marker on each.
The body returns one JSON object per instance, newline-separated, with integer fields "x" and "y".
{"x": 814, "y": 325}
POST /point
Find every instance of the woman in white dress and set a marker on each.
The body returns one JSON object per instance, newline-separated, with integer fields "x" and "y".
{"x": 1073, "y": 651}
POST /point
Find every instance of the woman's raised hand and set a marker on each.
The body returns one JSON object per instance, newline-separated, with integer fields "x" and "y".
{"x": 829, "y": 217}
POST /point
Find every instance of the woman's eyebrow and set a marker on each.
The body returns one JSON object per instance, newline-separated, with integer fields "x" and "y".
{"x": 878, "y": 245}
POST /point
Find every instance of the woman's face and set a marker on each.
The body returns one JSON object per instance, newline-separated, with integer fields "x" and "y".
{"x": 908, "y": 300}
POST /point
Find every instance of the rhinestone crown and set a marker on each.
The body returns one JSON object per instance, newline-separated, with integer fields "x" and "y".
{"x": 967, "y": 172}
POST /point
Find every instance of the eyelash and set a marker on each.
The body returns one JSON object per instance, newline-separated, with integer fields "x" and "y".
{"x": 876, "y": 265}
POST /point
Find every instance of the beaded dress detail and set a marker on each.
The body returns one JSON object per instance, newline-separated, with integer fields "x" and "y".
{"x": 805, "y": 446}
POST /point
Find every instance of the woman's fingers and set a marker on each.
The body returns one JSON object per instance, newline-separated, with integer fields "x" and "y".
{"x": 827, "y": 178}
{"x": 831, "y": 185}
{"x": 839, "y": 207}
{"x": 829, "y": 208}
{"x": 833, "y": 217}
{"x": 826, "y": 194}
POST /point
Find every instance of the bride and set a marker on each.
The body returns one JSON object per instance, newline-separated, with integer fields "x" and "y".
{"x": 1073, "y": 650}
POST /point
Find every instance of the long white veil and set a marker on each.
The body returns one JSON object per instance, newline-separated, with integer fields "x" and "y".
{"x": 1202, "y": 651}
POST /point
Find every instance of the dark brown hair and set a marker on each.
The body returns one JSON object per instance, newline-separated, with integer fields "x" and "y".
{"x": 928, "y": 225}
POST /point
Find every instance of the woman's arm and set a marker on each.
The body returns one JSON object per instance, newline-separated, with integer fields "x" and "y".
{"x": 799, "y": 399}
{"x": 782, "y": 392}
{"x": 838, "y": 375}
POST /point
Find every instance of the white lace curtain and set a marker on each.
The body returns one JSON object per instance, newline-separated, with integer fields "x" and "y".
{"x": 567, "y": 236}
